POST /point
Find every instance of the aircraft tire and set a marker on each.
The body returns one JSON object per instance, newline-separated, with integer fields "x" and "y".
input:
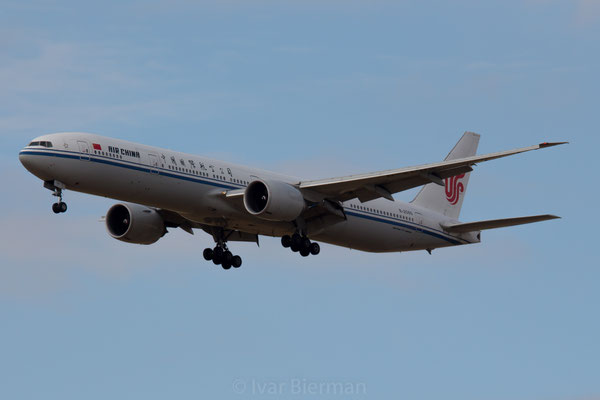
{"x": 236, "y": 261}
{"x": 227, "y": 257}
{"x": 296, "y": 239}
{"x": 218, "y": 252}
{"x": 315, "y": 248}
{"x": 305, "y": 243}
{"x": 208, "y": 254}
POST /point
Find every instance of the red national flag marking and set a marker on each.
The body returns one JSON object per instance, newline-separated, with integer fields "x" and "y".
{"x": 96, "y": 146}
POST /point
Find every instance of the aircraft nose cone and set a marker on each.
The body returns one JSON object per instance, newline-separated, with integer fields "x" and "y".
{"x": 26, "y": 160}
{"x": 35, "y": 164}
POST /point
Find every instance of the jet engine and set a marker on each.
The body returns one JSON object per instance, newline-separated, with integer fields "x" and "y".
{"x": 134, "y": 223}
{"x": 273, "y": 200}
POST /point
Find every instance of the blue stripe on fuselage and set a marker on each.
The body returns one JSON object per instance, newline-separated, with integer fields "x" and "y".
{"x": 418, "y": 228}
{"x": 130, "y": 165}
{"x": 167, "y": 173}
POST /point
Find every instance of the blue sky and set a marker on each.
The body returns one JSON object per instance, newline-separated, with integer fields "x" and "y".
{"x": 315, "y": 89}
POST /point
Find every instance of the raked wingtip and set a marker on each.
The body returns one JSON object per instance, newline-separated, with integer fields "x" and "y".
{"x": 550, "y": 144}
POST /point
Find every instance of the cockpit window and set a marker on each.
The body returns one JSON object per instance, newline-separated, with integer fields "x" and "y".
{"x": 42, "y": 143}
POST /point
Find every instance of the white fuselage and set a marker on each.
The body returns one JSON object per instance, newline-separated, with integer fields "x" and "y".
{"x": 194, "y": 187}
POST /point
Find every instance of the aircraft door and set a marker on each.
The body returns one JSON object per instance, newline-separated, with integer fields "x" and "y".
{"x": 153, "y": 162}
{"x": 84, "y": 150}
{"x": 418, "y": 218}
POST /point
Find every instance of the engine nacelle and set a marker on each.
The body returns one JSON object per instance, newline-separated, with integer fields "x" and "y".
{"x": 273, "y": 200}
{"x": 134, "y": 223}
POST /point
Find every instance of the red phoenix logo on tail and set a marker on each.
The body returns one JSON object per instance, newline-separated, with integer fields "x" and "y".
{"x": 453, "y": 188}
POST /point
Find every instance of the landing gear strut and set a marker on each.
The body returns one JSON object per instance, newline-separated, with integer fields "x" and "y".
{"x": 221, "y": 255}
{"x": 300, "y": 244}
{"x": 57, "y": 188}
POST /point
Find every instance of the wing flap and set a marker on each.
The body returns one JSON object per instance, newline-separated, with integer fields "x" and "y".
{"x": 496, "y": 223}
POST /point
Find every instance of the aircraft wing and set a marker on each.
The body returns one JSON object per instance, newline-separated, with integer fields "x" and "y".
{"x": 495, "y": 223}
{"x": 175, "y": 220}
{"x": 370, "y": 186}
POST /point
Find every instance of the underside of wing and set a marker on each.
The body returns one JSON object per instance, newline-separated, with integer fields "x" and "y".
{"x": 175, "y": 220}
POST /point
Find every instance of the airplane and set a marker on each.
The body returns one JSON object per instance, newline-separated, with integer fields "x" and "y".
{"x": 160, "y": 189}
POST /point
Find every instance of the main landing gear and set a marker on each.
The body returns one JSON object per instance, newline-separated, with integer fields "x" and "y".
{"x": 300, "y": 244}
{"x": 220, "y": 255}
{"x": 57, "y": 187}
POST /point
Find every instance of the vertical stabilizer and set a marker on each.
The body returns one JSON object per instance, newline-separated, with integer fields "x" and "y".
{"x": 448, "y": 199}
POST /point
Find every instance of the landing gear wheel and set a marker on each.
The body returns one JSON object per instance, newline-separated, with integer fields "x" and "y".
{"x": 221, "y": 255}
{"x": 227, "y": 257}
{"x": 208, "y": 254}
{"x": 217, "y": 255}
{"x": 305, "y": 244}
{"x": 57, "y": 189}
{"x": 286, "y": 241}
{"x": 295, "y": 247}
{"x": 315, "y": 249}
{"x": 218, "y": 252}
{"x": 296, "y": 240}
{"x": 304, "y": 252}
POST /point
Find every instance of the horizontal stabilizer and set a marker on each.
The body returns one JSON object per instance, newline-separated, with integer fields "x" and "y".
{"x": 496, "y": 223}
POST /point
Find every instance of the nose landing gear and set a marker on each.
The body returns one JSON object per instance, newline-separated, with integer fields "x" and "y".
{"x": 57, "y": 187}
{"x": 59, "y": 207}
{"x": 300, "y": 244}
